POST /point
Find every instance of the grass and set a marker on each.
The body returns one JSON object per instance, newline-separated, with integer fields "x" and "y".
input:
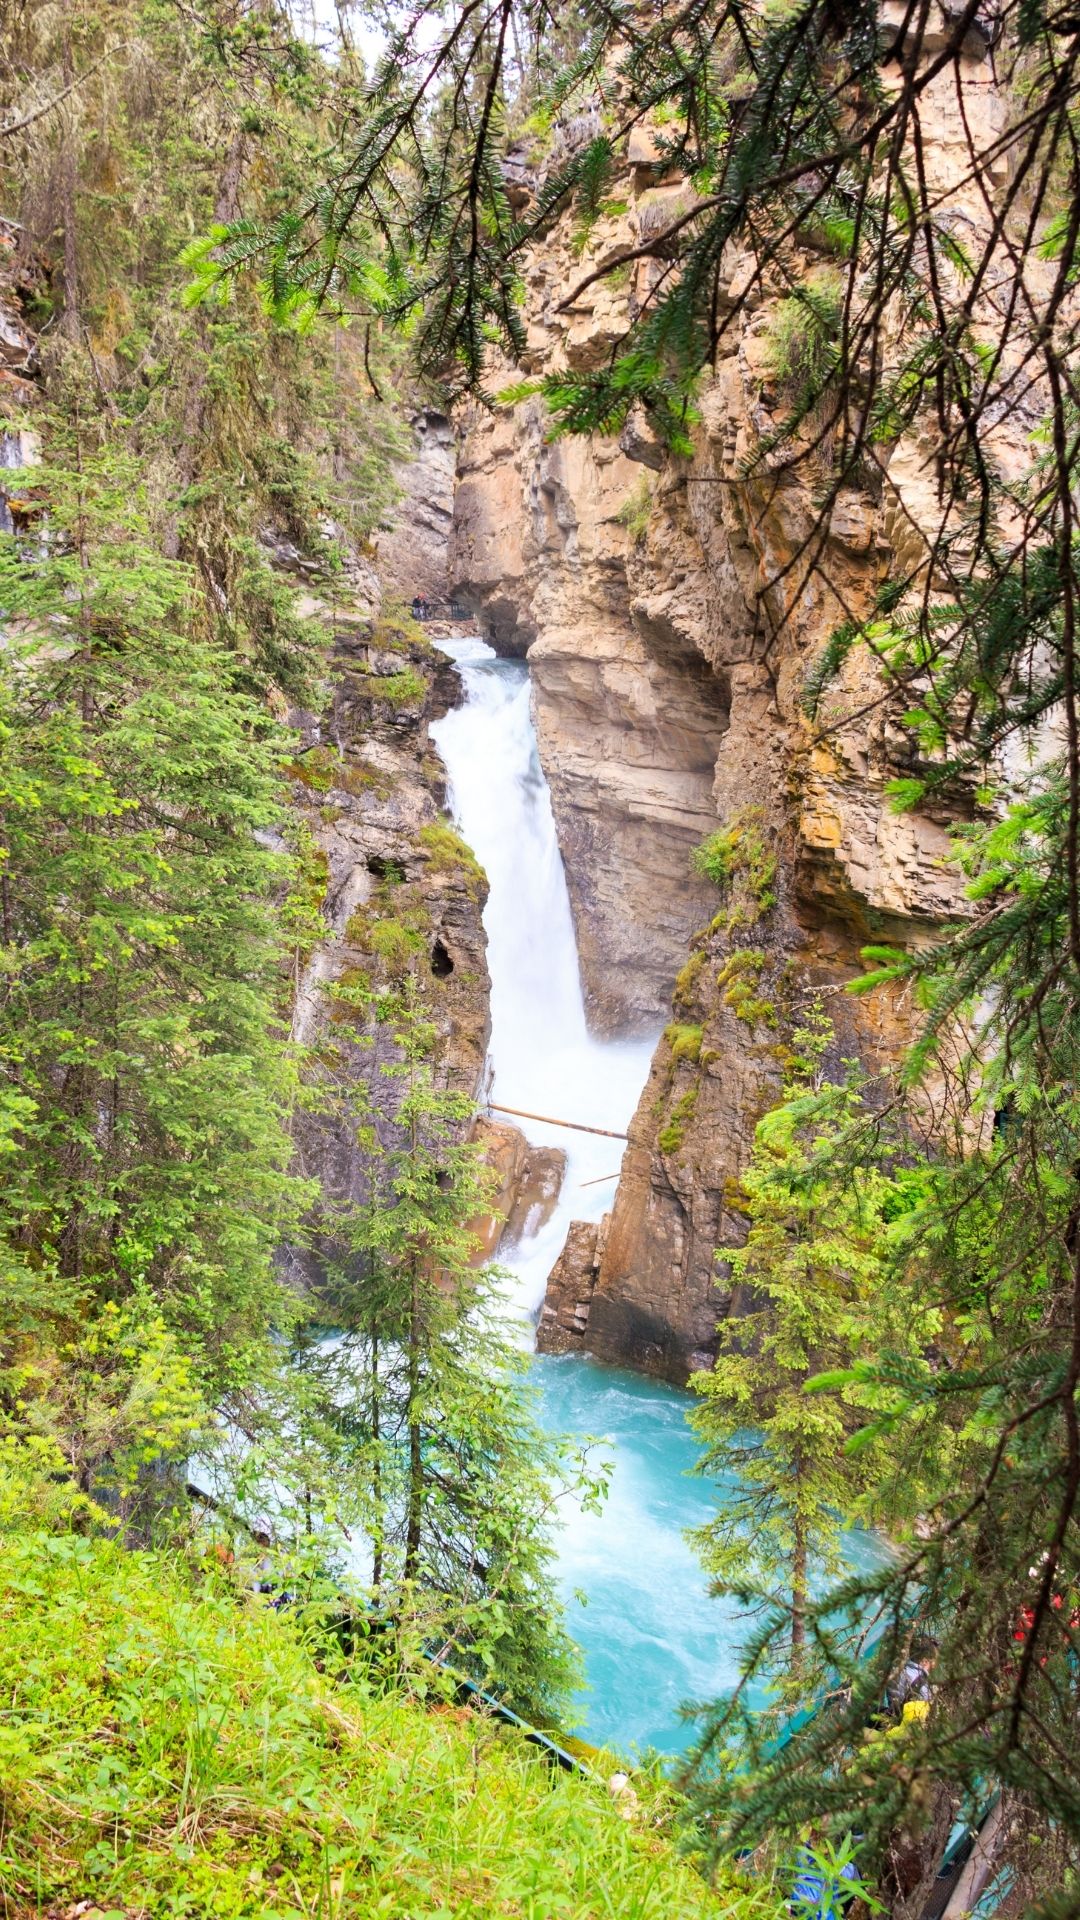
{"x": 405, "y": 689}
{"x": 168, "y": 1747}
{"x": 323, "y": 769}
{"x": 395, "y": 928}
{"x": 803, "y": 330}
{"x": 636, "y": 510}
{"x": 448, "y": 853}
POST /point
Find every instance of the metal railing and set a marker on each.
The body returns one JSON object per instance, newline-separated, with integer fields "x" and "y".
{"x": 425, "y": 609}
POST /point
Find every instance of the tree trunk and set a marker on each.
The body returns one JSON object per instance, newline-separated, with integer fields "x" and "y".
{"x": 798, "y": 1576}
{"x": 69, "y": 319}
{"x": 973, "y": 1881}
{"x": 911, "y": 1860}
{"x": 379, "y": 1529}
{"x": 416, "y": 1462}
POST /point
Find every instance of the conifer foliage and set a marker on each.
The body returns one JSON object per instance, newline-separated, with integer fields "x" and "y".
{"x": 152, "y": 913}
{"x": 147, "y": 1087}
{"x": 814, "y": 1270}
{"x": 904, "y": 308}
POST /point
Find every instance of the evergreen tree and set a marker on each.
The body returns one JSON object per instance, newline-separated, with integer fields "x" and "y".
{"x": 801, "y": 132}
{"x": 423, "y": 1385}
{"x": 146, "y": 1081}
{"x": 815, "y": 1269}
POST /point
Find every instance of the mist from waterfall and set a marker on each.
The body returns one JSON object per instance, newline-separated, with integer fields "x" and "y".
{"x": 542, "y": 1056}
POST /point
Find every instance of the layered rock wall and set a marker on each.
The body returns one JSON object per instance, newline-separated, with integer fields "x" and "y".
{"x": 629, "y": 713}
{"x": 412, "y": 552}
{"x": 670, "y": 613}
{"x": 397, "y": 901}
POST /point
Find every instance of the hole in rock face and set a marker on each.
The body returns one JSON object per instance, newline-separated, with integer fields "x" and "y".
{"x": 441, "y": 963}
{"x": 380, "y": 867}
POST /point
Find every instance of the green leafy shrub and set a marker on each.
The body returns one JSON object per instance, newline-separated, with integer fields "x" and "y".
{"x": 635, "y": 512}
{"x": 803, "y": 332}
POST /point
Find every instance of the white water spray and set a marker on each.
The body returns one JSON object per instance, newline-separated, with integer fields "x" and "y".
{"x": 542, "y": 1056}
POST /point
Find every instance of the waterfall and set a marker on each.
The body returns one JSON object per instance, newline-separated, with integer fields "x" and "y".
{"x": 543, "y": 1057}
{"x": 11, "y": 456}
{"x": 652, "y": 1635}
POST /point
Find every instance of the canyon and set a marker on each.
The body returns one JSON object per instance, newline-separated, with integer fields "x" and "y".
{"x": 670, "y": 609}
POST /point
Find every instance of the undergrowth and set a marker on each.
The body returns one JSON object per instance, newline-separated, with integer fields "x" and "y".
{"x": 448, "y": 853}
{"x": 168, "y": 1746}
{"x": 740, "y": 860}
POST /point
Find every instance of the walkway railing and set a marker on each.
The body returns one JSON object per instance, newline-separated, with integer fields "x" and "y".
{"x": 424, "y": 609}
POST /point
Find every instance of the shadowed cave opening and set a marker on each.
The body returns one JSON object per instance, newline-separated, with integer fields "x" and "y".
{"x": 441, "y": 963}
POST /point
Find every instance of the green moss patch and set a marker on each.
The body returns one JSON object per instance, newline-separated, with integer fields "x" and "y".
{"x": 739, "y": 980}
{"x": 398, "y": 632}
{"x": 684, "y": 1041}
{"x": 673, "y": 1132}
{"x": 448, "y": 853}
{"x": 739, "y": 860}
{"x": 687, "y": 977}
{"x": 405, "y": 689}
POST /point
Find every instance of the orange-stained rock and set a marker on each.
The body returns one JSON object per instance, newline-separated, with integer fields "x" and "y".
{"x": 529, "y": 1179}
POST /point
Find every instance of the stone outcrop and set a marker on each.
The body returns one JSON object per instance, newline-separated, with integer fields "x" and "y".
{"x": 629, "y": 713}
{"x": 670, "y": 615}
{"x": 18, "y": 364}
{"x": 18, "y": 345}
{"x": 411, "y": 554}
{"x": 565, "y": 1317}
{"x": 393, "y": 892}
{"x": 528, "y": 1179}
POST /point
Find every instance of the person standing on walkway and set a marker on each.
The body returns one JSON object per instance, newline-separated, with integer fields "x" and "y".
{"x": 912, "y": 1683}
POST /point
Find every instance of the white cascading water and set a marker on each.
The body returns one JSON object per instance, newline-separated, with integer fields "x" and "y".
{"x": 542, "y": 1058}
{"x": 651, "y": 1634}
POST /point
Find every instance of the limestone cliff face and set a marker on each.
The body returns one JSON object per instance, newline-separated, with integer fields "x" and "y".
{"x": 629, "y": 713}
{"x": 396, "y": 898}
{"x": 411, "y": 554}
{"x": 670, "y": 615}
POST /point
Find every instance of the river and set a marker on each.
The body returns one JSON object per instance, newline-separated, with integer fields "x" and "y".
{"x": 651, "y": 1634}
